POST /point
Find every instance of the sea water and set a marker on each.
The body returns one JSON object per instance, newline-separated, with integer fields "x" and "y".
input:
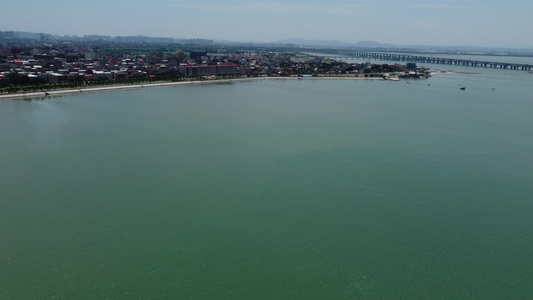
{"x": 272, "y": 189}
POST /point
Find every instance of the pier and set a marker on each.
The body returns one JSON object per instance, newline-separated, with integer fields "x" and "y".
{"x": 343, "y": 53}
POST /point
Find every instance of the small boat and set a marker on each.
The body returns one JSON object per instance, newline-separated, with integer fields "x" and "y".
{"x": 463, "y": 88}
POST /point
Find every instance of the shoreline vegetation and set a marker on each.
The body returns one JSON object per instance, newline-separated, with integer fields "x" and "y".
{"x": 120, "y": 86}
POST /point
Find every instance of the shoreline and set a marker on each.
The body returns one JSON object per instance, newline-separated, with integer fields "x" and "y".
{"x": 60, "y": 92}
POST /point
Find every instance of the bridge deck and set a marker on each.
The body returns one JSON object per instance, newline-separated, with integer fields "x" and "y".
{"x": 426, "y": 59}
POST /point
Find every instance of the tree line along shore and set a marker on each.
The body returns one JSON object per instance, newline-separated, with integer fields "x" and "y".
{"x": 63, "y": 90}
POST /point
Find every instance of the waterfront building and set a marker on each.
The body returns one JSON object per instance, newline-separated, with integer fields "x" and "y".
{"x": 197, "y": 54}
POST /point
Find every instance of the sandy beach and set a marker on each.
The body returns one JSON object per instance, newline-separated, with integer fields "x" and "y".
{"x": 59, "y": 92}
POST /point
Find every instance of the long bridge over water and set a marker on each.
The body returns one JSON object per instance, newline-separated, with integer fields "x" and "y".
{"x": 423, "y": 59}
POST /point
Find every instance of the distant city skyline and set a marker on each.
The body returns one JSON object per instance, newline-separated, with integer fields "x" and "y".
{"x": 487, "y": 23}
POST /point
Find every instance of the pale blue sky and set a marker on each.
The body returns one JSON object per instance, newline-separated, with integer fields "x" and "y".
{"x": 505, "y": 23}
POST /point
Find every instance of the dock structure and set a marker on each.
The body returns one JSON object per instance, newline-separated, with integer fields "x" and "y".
{"x": 345, "y": 53}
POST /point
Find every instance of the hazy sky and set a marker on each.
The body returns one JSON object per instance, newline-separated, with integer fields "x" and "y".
{"x": 505, "y": 23}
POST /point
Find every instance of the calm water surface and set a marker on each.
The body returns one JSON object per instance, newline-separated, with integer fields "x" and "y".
{"x": 290, "y": 189}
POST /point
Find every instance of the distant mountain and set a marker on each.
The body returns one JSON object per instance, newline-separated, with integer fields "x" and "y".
{"x": 319, "y": 43}
{"x": 335, "y": 43}
{"x": 373, "y": 45}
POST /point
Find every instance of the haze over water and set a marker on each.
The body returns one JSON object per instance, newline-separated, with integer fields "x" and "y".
{"x": 271, "y": 189}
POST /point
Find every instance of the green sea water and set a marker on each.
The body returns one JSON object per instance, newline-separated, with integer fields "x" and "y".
{"x": 272, "y": 189}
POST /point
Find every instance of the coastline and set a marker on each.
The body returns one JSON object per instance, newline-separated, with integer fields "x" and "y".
{"x": 60, "y": 92}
